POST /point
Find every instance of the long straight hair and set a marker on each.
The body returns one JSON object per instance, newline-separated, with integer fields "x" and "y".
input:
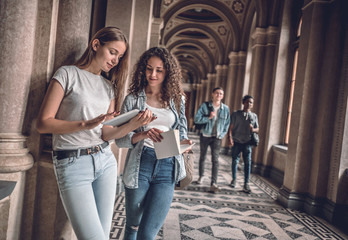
{"x": 118, "y": 74}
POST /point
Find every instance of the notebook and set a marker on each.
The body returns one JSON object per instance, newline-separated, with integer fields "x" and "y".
{"x": 170, "y": 145}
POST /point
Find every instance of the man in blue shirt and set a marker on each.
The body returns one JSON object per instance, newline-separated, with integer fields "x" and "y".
{"x": 216, "y": 117}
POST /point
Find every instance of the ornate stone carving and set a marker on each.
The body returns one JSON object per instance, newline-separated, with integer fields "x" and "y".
{"x": 237, "y": 6}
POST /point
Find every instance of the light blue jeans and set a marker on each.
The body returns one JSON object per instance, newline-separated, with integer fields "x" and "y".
{"x": 147, "y": 206}
{"x": 245, "y": 148}
{"x": 87, "y": 186}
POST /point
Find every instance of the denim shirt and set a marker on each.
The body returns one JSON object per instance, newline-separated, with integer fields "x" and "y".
{"x": 132, "y": 165}
{"x": 222, "y": 121}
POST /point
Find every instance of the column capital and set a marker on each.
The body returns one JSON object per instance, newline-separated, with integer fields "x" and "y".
{"x": 272, "y": 34}
{"x": 242, "y": 57}
{"x": 237, "y": 57}
{"x": 157, "y": 21}
{"x": 211, "y": 75}
{"x": 260, "y": 36}
{"x": 218, "y": 67}
{"x": 264, "y": 36}
{"x": 232, "y": 55}
{"x": 312, "y": 2}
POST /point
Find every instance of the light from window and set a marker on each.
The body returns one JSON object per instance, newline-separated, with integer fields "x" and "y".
{"x": 292, "y": 83}
{"x": 291, "y": 97}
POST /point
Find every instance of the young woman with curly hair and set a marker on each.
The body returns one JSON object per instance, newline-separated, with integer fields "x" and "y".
{"x": 149, "y": 182}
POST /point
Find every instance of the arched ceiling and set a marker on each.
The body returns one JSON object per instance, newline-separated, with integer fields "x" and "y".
{"x": 202, "y": 33}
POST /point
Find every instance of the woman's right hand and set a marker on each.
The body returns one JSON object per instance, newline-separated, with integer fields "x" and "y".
{"x": 90, "y": 124}
{"x": 142, "y": 118}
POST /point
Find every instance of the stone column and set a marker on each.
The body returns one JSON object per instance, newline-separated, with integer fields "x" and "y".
{"x": 141, "y": 29}
{"x": 261, "y": 84}
{"x": 221, "y": 76}
{"x": 71, "y": 33}
{"x": 198, "y": 97}
{"x": 258, "y": 65}
{"x": 224, "y": 76}
{"x": 318, "y": 122}
{"x": 231, "y": 79}
{"x": 134, "y": 19}
{"x": 240, "y": 80}
{"x": 263, "y": 106}
{"x": 155, "y": 32}
{"x": 210, "y": 85}
{"x": 204, "y": 90}
{"x": 307, "y": 77}
{"x": 338, "y": 172}
{"x": 218, "y": 79}
{"x": 197, "y": 88}
{"x": 17, "y": 31}
{"x": 197, "y": 100}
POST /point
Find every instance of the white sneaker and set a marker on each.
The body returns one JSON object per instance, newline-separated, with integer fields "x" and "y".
{"x": 246, "y": 188}
{"x": 214, "y": 188}
{"x": 199, "y": 181}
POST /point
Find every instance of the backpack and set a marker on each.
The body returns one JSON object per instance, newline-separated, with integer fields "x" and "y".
{"x": 255, "y": 139}
{"x": 200, "y": 126}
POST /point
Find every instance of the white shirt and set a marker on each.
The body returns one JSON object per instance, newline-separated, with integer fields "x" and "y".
{"x": 165, "y": 120}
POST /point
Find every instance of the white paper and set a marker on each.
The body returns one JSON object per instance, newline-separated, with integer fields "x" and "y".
{"x": 170, "y": 145}
{"x": 123, "y": 118}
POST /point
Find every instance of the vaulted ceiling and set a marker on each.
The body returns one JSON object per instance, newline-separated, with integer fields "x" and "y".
{"x": 202, "y": 33}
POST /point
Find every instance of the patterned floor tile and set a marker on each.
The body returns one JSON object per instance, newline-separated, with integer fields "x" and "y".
{"x": 196, "y": 213}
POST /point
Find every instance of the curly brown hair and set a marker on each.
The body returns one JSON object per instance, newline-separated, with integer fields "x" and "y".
{"x": 172, "y": 84}
{"x": 118, "y": 74}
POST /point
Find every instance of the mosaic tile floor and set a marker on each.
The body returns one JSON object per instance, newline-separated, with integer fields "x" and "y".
{"x": 230, "y": 214}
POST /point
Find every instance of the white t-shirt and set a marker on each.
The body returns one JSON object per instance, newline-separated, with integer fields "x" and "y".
{"x": 165, "y": 120}
{"x": 86, "y": 96}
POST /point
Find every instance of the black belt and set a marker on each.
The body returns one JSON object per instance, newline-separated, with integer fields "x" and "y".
{"x": 61, "y": 154}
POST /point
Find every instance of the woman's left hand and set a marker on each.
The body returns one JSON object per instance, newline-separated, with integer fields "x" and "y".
{"x": 187, "y": 141}
{"x": 154, "y": 134}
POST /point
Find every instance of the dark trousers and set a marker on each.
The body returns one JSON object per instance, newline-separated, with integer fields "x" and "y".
{"x": 245, "y": 149}
{"x": 215, "y": 145}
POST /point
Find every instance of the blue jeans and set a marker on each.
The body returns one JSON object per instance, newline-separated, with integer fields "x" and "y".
{"x": 87, "y": 186}
{"x": 147, "y": 206}
{"x": 245, "y": 148}
{"x": 215, "y": 145}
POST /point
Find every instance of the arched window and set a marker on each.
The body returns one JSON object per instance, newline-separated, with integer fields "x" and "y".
{"x": 295, "y": 50}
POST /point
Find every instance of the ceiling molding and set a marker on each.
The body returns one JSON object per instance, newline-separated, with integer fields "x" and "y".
{"x": 217, "y": 7}
{"x": 198, "y": 44}
{"x": 198, "y": 58}
{"x": 210, "y": 32}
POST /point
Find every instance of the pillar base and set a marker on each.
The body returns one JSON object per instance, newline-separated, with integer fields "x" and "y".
{"x": 14, "y": 156}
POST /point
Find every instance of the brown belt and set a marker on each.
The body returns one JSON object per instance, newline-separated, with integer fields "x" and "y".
{"x": 61, "y": 154}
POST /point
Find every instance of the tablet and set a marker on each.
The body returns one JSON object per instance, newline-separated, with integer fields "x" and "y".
{"x": 123, "y": 118}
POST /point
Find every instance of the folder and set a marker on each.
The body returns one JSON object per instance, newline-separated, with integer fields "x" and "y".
{"x": 170, "y": 145}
